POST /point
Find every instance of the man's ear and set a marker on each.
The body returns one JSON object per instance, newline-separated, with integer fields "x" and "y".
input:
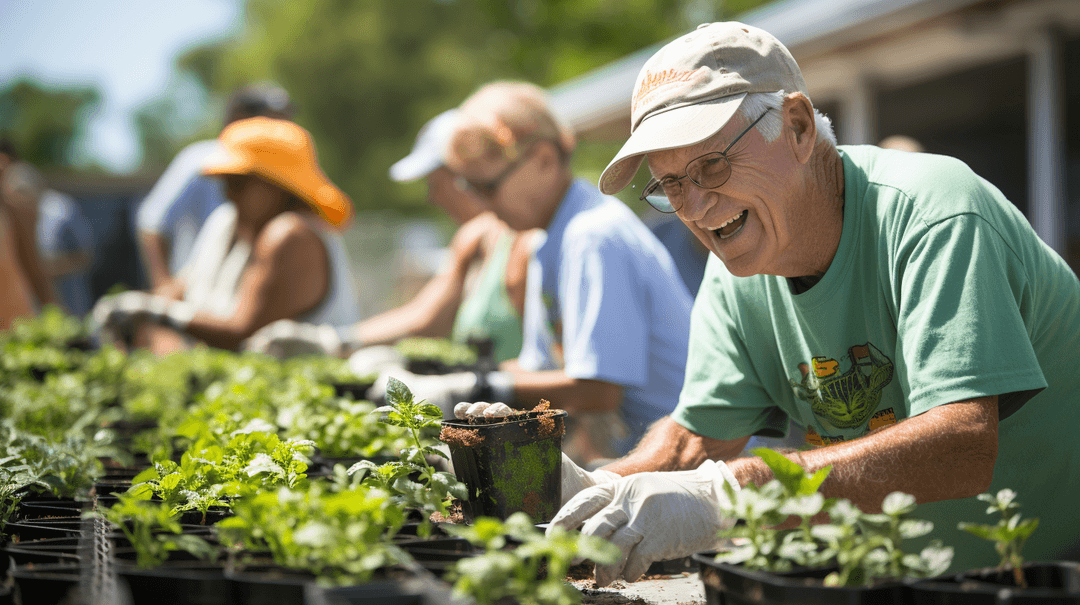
{"x": 800, "y": 128}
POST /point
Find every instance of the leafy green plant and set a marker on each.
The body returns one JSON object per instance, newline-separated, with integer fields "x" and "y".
{"x": 152, "y": 530}
{"x": 441, "y": 350}
{"x": 1010, "y": 532}
{"x": 340, "y": 536}
{"x": 412, "y": 480}
{"x": 533, "y": 572}
{"x": 865, "y": 547}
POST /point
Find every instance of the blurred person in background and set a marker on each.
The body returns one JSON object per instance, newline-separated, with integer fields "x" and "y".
{"x": 269, "y": 254}
{"x": 21, "y": 186}
{"x": 65, "y": 243}
{"x": 16, "y": 293}
{"x": 171, "y": 215}
{"x": 480, "y": 293}
{"x": 607, "y": 316}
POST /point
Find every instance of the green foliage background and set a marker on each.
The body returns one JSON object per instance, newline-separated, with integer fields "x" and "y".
{"x": 365, "y": 76}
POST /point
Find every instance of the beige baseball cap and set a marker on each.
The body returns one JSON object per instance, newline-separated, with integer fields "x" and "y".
{"x": 692, "y": 86}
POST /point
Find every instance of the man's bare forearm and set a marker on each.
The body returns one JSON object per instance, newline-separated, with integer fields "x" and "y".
{"x": 943, "y": 454}
{"x": 668, "y": 446}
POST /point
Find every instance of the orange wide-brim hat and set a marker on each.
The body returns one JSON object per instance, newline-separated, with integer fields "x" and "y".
{"x": 283, "y": 153}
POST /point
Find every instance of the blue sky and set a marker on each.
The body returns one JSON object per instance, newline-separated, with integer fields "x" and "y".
{"x": 124, "y": 47}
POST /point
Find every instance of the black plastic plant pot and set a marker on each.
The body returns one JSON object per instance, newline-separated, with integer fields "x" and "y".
{"x": 438, "y": 556}
{"x": 40, "y": 529}
{"x": 48, "y": 509}
{"x": 46, "y": 584}
{"x": 178, "y": 583}
{"x": 213, "y": 515}
{"x": 39, "y": 552}
{"x": 509, "y": 465}
{"x": 372, "y": 593}
{"x": 1051, "y": 582}
{"x": 267, "y": 585}
{"x": 732, "y": 585}
{"x": 357, "y": 391}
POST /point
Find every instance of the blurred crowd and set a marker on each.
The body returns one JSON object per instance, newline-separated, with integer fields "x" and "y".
{"x": 240, "y": 238}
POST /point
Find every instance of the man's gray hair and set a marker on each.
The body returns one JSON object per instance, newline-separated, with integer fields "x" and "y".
{"x": 758, "y": 103}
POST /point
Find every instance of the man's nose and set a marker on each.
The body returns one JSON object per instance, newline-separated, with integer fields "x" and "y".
{"x": 696, "y": 202}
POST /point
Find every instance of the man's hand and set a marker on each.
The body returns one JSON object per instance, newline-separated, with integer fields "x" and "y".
{"x": 576, "y": 479}
{"x": 125, "y": 309}
{"x": 287, "y": 338}
{"x": 652, "y": 516}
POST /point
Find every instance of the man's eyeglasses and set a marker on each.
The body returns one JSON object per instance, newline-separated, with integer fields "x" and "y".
{"x": 489, "y": 188}
{"x": 709, "y": 171}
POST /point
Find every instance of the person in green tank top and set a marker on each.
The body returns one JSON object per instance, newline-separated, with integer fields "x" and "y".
{"x": 894, "y": 305}
{"x": 479, "y": 294}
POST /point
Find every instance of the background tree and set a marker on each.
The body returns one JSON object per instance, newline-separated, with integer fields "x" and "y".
{"x": 365, "y": 76}
{"x": 45, "y": 123}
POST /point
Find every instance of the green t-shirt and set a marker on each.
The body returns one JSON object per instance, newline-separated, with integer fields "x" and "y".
{"x": 487, "y": 312}
{"x": 940, "y": 291}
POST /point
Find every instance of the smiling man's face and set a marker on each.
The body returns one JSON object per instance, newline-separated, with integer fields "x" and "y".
{"x": 747, "y": 221}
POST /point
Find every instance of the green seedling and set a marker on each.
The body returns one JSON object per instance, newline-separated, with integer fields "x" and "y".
{"x": 412, "y": 480}
{"x": 1009, "y": 534}
{"x": 340, "y": 536}
{"x": 532, "y": 573}
{"x": 152, "y": 530}
{"x": 866, "y": 547}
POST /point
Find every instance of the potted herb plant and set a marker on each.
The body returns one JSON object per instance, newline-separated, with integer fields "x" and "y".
{"x": 856, "y": 558}
{"x": 1013, "y": 580}
{"x": 509, "y": 464}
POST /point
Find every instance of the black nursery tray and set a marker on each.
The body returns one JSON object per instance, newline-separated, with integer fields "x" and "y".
{"x": 732, "y": 585}
{"x": 1056, "y": 582}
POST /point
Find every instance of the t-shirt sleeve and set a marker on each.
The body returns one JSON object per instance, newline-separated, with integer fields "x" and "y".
{"x": 605, "y": 331}
{"x": 961, "y": 334}
{"x": 723, "y": 396}
{"x": 156, "y": 213}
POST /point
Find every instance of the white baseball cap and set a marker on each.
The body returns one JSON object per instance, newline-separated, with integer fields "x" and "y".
{"x": 691, "y": 87}
{"x": 429, "y": 150}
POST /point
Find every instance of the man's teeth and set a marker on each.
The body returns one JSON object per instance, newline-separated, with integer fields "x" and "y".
{"x": 730, "y": 220}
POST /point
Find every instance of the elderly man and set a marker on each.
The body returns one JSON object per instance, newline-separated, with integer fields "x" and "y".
{"x": 606, "y": 312}
{"x": 895, "y": 305}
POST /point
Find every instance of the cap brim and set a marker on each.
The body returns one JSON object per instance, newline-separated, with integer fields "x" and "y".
{"x": 679, "y": 127}
{"x": 414, "y": 166}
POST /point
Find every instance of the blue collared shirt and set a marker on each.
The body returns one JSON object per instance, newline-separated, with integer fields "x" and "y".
{"x": 604, "y": 291}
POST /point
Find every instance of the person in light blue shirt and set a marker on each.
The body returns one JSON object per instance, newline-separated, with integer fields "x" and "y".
{"x": 606, "y": 320}
{"x": 66, "y": 245}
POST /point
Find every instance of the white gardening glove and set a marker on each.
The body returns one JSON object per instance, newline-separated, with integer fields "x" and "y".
{"x": 443, "y": 390}
{"x": 377, "y": 359}
{"x": 652, "y": 516}
{"x": 575, "y": 479}
{"x": 287, "y": 338}
{"x": 126, "y": 308}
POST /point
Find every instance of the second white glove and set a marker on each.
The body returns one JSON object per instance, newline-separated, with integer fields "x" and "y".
{"x": 652, "y": 516}
{"x": 287, "y": 338}
{"x": 576, "y": 479}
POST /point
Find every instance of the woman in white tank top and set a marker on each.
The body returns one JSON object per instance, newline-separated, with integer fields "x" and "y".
{"x": 270, "y": 254}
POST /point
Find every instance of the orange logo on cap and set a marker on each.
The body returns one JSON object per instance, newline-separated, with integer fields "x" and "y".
{"x": 654, "y": 80}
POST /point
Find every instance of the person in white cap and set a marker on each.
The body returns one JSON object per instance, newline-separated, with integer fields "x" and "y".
{"x": 896, "y": 305}
{"x": 480, "y": 293}
{"x": 606, "y": 312}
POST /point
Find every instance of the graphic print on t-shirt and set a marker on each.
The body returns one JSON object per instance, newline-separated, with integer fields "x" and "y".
{"x": 845, "y": 400}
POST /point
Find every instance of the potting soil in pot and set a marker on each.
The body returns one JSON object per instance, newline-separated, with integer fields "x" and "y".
{"x": 509, "y": 464}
